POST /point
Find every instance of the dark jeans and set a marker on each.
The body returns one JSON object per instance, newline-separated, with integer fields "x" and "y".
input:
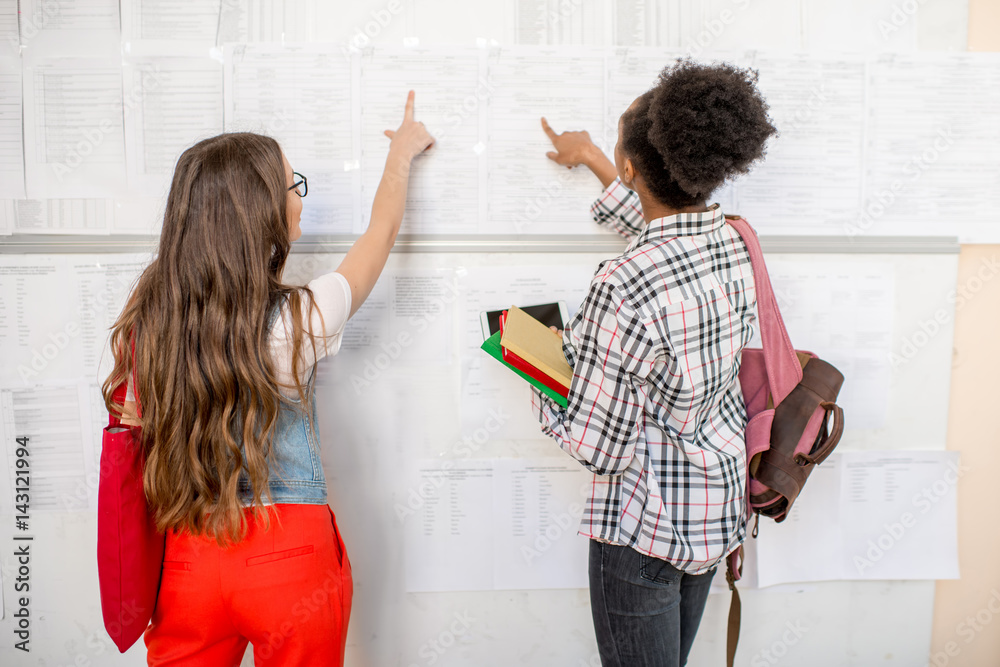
{"x": 646, "y": 611}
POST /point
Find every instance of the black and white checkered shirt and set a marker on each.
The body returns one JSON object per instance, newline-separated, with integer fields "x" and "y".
{"x": 655, "y": 406}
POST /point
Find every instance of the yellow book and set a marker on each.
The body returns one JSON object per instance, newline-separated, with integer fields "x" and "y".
{"x": 535, "y": 343}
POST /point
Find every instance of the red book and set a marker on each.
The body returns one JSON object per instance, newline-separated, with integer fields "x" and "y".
{"x": 526, "y": 368}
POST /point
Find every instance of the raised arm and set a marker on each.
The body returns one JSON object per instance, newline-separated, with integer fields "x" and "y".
{"x": 366, "y": 258}
{"x": 617, "y": 207}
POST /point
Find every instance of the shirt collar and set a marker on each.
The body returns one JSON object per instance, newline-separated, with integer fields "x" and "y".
{"x": 681, "y": 224}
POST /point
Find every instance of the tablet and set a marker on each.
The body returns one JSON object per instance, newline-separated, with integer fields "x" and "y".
{"x": 550, "y": 314}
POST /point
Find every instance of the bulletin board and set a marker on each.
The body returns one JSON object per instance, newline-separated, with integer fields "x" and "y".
{"x": 880, "y": 170}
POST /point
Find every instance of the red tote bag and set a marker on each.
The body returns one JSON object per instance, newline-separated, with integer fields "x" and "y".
{"x": 129, "y": 548}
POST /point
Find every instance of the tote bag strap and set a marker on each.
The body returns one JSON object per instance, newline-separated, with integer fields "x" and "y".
{"x": 784, "y": 371}
{"x": 135, "y": 387}
{"x": 121, "y": 392}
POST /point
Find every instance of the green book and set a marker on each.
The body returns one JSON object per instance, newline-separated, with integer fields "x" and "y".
{"x": 492, "y": 347}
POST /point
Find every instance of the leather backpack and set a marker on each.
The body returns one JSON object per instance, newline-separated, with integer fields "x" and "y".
{"x": 793, "y": 422}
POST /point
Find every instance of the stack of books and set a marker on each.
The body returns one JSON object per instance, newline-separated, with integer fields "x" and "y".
{"x": 533, "y": 351}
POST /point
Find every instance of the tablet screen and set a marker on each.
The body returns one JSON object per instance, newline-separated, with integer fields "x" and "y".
{"x": 546, "y": 313}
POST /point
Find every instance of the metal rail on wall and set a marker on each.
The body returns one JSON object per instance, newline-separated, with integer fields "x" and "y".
{"x": 896, "y": 245}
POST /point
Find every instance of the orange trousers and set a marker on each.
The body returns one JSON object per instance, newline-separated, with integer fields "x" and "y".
{"x": 286, "y": 590}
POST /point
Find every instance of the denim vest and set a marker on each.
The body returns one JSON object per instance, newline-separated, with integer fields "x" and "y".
{"x": 295, "y": 470}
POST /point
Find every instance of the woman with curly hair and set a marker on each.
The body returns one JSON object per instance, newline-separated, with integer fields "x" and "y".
{"x": 655, "y": 407}
{"x": 219, "y": 354}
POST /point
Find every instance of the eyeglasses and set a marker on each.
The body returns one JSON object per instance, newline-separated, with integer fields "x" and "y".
{"x": 297, "y": 180}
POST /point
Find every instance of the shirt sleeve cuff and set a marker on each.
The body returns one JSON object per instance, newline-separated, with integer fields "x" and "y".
{"x": 600, "y": 210}
{"x": 568, "y": 348}
{"x": 550, "y": 414}
{"x": 332, "y": 300}
{"x": 615, "y": 209}
{"x": 348, "y": 297}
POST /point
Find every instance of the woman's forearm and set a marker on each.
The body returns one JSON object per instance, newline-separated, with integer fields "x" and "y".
{"x": 367, "y": 257}
{"x": 602, "y": 167}
{"x": 390, "y": 197}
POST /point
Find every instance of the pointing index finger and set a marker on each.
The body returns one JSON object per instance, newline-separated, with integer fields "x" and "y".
{"x": 408, "y": 114}
{"x": 548, "y": 130}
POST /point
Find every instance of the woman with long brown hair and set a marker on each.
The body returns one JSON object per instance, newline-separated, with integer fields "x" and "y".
{"x": 220, "y": 356}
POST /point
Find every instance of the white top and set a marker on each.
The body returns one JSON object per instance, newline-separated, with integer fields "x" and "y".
{"x": 332, "y": 296}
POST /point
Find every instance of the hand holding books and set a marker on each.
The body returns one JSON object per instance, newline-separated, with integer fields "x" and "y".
{"x": 530, "y": 349}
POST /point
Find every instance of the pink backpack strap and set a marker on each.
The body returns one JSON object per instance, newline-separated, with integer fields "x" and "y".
{"x": 784, "y": 371}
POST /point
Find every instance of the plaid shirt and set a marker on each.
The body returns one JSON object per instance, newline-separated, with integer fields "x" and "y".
{"x": 655, "y": 406}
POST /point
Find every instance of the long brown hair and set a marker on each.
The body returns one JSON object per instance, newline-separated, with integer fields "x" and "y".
{"x": 199, "y": 317}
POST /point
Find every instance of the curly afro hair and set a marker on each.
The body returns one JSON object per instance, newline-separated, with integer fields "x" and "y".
{"x": 699, "y": 126}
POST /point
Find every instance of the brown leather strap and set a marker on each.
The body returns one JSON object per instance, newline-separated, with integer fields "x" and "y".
{"x": 733, "y": 633}
{"x": 830, "y": 441}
